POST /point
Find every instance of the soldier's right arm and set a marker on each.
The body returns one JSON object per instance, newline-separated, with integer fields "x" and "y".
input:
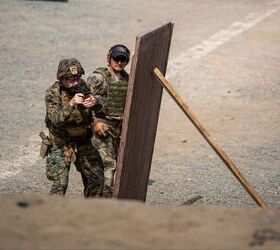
{"x": 56, "y": 112}
{"x": 98, "y": 88}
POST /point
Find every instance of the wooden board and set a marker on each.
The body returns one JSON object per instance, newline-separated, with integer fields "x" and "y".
{"x": 141, "y": 113}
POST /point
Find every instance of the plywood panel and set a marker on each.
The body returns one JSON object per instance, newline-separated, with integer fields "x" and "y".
{"x": 141, "y": 113}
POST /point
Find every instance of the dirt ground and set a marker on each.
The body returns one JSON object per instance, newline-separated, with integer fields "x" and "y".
{"x": 224, "y": 60}
{"x": 110, "y": 224}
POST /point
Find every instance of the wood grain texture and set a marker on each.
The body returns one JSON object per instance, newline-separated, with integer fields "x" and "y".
{"x": 141, "y": 113}
{"x": 210, "y": 139}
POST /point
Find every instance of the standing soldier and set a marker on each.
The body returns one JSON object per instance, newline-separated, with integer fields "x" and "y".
{"x": 109, "y": 86}
{"x": 68, "y": 118}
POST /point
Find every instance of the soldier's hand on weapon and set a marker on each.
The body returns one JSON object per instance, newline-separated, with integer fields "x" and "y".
{"x": 77, "y": 99}
{"x": 101, "y": 128}
{"x": 90, "y": 101}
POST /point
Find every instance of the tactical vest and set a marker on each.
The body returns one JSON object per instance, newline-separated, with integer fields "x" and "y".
{"x": 116, "y": 93}
{"x": 77, "y": 125}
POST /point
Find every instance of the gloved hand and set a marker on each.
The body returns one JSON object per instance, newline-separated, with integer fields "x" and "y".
{"x": 100, "y": 128}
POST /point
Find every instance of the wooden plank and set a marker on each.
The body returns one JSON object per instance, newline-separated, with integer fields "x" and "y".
{"x": 141, "y": 113}
{"x": 211, "y": 140}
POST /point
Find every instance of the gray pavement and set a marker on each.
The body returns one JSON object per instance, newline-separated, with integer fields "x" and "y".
{"x": 224, "y": 60}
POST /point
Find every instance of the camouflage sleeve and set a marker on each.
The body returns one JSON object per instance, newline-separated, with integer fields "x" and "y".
{"x": 98, "y": 89}
{"x": 56, "y": 113}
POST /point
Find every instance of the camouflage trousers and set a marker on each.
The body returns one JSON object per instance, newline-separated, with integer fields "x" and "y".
{"x": 108, "y": 147}
{"x": 87, "y": 161}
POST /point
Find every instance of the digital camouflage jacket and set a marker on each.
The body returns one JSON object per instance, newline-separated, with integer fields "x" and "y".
{"x": 66, "y": 122}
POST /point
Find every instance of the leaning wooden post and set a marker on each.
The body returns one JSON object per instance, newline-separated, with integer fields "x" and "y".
{"x": 211, "y": 141}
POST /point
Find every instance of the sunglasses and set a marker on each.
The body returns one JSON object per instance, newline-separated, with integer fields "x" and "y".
{"x": 120, "y": 59}
{"x": 71, "y": 78}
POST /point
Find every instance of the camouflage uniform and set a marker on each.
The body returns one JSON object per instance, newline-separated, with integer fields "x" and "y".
{"x": 70, "y": 137}
{"x": 111, "y": 96}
